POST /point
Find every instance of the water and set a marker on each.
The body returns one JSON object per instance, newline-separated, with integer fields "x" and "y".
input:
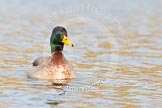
{"x": 117, "y": 55}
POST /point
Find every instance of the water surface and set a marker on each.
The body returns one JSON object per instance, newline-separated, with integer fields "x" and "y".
{"x": 117, "y": 55}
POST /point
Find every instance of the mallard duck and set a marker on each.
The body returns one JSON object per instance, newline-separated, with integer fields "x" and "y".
{"x": 56, "y": 66}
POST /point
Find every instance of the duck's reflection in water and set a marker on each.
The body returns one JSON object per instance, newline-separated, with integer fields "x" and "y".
{"x": 59, "y": 83}
{"x": 61, "y": 96}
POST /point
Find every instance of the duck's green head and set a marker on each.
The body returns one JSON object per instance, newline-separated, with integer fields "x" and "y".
{"x": 59, "y": 38}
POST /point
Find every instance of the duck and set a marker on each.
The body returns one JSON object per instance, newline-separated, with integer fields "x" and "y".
{"x": 56, "y": 66}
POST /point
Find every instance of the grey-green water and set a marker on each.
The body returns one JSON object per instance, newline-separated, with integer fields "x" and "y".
{"x": 117, "y": 55}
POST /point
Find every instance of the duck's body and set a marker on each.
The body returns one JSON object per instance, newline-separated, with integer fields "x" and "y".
{"x": 56, "y": 66}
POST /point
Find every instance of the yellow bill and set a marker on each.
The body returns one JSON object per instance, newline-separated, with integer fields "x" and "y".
{"x": 66, "y": 41}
